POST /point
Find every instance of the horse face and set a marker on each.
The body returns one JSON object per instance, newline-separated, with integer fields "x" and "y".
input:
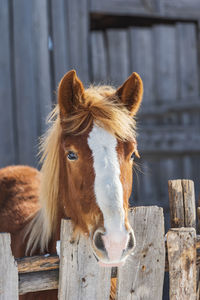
{"x": 99, "y": 176}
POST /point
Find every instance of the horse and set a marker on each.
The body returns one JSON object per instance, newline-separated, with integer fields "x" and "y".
{"x": 87, "y": 156}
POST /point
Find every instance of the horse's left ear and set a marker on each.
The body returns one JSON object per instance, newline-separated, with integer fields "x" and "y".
{"x": 130, "y": 93}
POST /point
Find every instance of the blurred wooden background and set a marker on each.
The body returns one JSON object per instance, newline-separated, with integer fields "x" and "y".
{"x": 105, "y": 41}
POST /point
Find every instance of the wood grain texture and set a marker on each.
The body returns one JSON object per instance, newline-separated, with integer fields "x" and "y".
{"x": 77, "y": 36}
{"x": 60, "y": 43}
{"x": 117, "y": 41}
{"x": 182, "y": 203}
{"x": 38, "y": 281}
{"x": 24, "y": 79}
{"x": 165, "y": 62}
{"x": 41, "y": 63}
{"x": 176, "y": 203}
{"x": 187, "y": 104}
{"x": 98, "y": 57}
{"x": 169, "y": 139}
{"x": 189, "y": 203}
{"x": 182, "y": 263}
{"x": 7, "y": 129}
{"x": 141, "y": 53}
{"x": 188, "y": 78}
{"x": 143, "y": 274}
{"x": 180, "y": 8}
{"x": 124, "y": 6}
{"x": 8, "y": 270}
{"x": 187, "y": 60}
{"x": 37, "y": 263}
{"x": 80, "y": 277}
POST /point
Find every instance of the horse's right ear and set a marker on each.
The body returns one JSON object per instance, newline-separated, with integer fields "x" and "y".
{"x": 70, "y": 92}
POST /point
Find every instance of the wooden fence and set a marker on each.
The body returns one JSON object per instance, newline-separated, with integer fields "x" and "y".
{"x": 141, "y": 277}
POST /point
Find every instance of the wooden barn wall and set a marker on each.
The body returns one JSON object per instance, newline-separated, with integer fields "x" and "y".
{"x": 105, "y": 41}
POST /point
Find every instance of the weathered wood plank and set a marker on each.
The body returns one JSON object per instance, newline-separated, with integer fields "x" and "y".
{"x": 26, "y": 108}
{"x": 176, "y": 203}
{"x": 77, "y": 37}
{"x": 182, "y": 263}
{"x": 188, "y": 77}
{"x": 143, "y": 274}
{"x": 7, "y": 149}
{"x": 141, "y": 47}
{"x": 117, "y": 41}
{"x": 8, "y": 270}
{"x": 98, "y": 57}
{"x": 165, "y": 62}
{"x": 60, "y": 43}
{"x": 182, "y": 203}
{"x": 187, "y": 104}
{"x": 189, "y": 203}
{"x": 187, "y": 60}
{"x": 37, "y": 263}
{"x": 127, "y": 7}
{"x": 181, "y": 8}
{"x": 169, "y": 139}
{"x": 38, "y": 281}
{"x": 79, "y": 276}
{"x": 41, "y": 63}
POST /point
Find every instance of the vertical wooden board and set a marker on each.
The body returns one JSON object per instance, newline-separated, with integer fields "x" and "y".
{"x": 176, "y": 203}
{"x": 80, "y": 277}
{"x": 148, "y": 193}
{"x": 187, "y": 60}
{"x": 166, "y": 170}
{"x": 60, "y": 43}
{"x": 182, "y": 203}
{"x": 77, "y": 16}
{"x": 142, "y": 275}
{"x": 118, "y": 57}
{"x": 98, "y": 57}
{"x": 189, "y": 203}
{"x": 7, "y": 149}
{"x": 42, "y": 76}
{"x": 8, "y": 270}
{"x": 142, "y": 60}
{"x": 181, "y": 244}
{"x": 187, "y": 159}
{"x": 165, "y": 62}
{"x": 188, "y": 77}
{"x": 24, "y": 81}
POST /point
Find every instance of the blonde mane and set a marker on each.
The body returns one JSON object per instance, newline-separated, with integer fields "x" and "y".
{"x": 99, "y": 105}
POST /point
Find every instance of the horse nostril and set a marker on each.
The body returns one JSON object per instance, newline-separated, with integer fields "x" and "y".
{"x": 131, "y": 242}
{"x": 98, "y": 241}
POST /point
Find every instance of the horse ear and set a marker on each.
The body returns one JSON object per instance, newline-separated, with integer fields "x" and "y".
{"x": 70, "y": 92}
{"x": 130, "y": 93}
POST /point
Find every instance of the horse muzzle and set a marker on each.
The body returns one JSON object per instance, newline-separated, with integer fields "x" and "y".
{"x": 112, "y": 249}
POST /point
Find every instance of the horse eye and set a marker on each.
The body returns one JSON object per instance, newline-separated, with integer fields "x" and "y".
{"x": 133, "y": 156}
{"x": 72, "y": 156}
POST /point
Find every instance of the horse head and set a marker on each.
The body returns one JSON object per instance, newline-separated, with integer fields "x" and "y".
{"x": 98, "y": 146}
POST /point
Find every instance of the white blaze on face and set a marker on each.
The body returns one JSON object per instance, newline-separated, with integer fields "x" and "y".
{"x": 107, "y": 185}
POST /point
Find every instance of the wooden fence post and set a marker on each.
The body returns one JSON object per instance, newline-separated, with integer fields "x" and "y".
{"x": 8, "y": 270}
{"x": 181, "y": 243}
{"x": 182, "y": 203}
{"x": 183, "y": 214}
{"x": 143, "y": 274}
{"x": 80, "y": 277}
